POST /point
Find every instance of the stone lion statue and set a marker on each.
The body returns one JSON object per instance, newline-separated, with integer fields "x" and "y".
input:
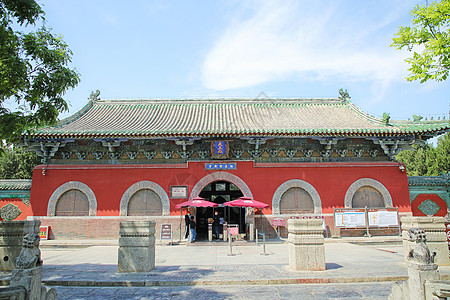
{"x": 420, "y": 253}
{"x": 30, "y": 256}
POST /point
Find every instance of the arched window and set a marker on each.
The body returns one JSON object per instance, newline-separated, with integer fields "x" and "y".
{"x": 367, "y": 196}
{"x": 296, "y": 201}
{"x": 145, "y": 202}
{"x": 72, "y": 203}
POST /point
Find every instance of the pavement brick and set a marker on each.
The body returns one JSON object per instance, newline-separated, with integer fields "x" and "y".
{"x": 353, "y": 271}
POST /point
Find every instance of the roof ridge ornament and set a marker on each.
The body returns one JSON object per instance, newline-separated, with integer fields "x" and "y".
{"x": 94, "y": 96}
{"x": 262, "y": 95}
{"x": 386, "y": 118}
{"x": 344, "y": 95}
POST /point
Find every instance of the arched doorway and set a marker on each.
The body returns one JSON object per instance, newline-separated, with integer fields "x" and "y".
{"x": 220, "y": 192}
{"x": 367, "y": 196}
{"x": 296, "y": 201}
{"x": 72, "y": 203}
{"x": 145, "y": 202}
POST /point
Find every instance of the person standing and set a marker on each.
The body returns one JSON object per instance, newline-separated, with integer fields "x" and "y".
{"x": 187, "y": 221}
{"x": 193, "y": 227}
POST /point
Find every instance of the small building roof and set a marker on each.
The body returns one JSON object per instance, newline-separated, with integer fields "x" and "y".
{"x": 15, "y": 184}
{"x": 230, "y": 117}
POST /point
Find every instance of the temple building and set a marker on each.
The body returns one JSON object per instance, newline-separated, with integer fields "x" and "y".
{"x": 120, "y": 159}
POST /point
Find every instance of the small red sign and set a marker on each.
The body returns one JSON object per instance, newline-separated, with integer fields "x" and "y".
{"x": 233, "y": 230}
{"x": 278, "y": 222}
{"x": 43, "y": 232}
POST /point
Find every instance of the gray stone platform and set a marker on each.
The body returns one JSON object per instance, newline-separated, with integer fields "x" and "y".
{"x": 353, "y": 271}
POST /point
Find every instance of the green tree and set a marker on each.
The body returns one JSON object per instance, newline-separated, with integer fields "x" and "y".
{"x": 34, "y": 72}
{"x": 443, "y": 153}
{"x": 15, "y": 163}
{"x": 427, "y": 160}
{"x": 429, "y": 40}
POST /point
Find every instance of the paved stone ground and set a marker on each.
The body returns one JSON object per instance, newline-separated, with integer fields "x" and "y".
{"x": 202, "y": 270}
{"x": 261, "y": 292}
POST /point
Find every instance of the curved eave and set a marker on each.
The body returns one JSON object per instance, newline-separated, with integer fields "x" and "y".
{"x": 278, "y": 133}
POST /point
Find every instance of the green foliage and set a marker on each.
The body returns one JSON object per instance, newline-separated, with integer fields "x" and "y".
{"x": 427, "y": 160}
{"x": 430, "y": 36}
{"x": 34, "y": 72}
{"x": 17, "y": 164}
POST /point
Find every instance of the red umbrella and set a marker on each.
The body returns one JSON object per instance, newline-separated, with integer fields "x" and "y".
{"x": 197, "y": 202}
{"x": 246, "y": 202}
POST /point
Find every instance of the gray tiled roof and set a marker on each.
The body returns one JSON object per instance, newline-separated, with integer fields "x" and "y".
{"x": 15, "y": 184}
{"x": 228, "y": 117}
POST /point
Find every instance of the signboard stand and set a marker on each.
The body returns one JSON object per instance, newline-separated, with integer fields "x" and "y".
{"x": 166, "y": 232}
{"x": 367, "y": 224}
{"x": 278, "y": 222}
{"x": 365, "y": 218}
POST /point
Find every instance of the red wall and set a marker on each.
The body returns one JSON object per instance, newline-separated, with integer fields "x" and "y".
{"x": 109, "y": 182}
{"x": 434, "y": 197}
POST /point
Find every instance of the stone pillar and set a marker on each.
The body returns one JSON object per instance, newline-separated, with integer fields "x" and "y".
{"x": 417, "y": 274}
{"x": 251, "y": 232}
{"x": 225, "y": 231}
{"x": 136, "y": 246}
{"x": 306, "y": 247}
{"x": 11, "y": 235}
{"x": 434, "y": 228}
{"x": 210, "y": 233}
{"x": 30, "y": 279}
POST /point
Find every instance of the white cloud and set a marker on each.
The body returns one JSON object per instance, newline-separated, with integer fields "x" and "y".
{"x": 309, "y": 40}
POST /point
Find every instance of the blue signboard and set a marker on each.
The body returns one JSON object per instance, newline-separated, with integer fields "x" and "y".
{"x": 215, "y": 166}
{"x": 219, "y": 147}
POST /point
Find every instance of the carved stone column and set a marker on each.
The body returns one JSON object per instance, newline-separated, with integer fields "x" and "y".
{"x": 11, "y": 235}
{"x": 434, "y": 228}
{"x": 136, "y": 246}
{"x": 417, "y": 274}
{"x": 306, "y": 245}
{"x": 27, "y": 272}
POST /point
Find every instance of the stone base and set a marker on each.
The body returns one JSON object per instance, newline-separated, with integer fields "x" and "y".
{"x": 400, "y": 291}
{"x": 417, "y": 274}
{"x": 136, "y": 259}
{"x": 30, "y": 279}
{"x": 437, "y": 289}
{"x": 307, "y": 257}
{"x": 48, "y": 293}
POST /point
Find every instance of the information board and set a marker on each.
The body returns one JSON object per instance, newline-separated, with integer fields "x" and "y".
{"x": 350, "y": 217}
{"x": 382, "y": 217}
{"x": 166, "y": 232}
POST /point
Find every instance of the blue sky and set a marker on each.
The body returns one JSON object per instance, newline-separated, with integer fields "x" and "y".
{"x": 197, "y": 49}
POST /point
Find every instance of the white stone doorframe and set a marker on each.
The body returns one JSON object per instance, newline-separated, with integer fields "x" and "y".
{"x": 221, "y": 176}
{"x": 72, "y": 185}
{"x": 296, "y": 183}
{"x": 145, "y": 184}
{"x": 367, "y": 182}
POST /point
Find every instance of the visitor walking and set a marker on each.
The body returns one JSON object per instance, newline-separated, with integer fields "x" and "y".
{"x": 187, "y": 221}
{"x": 193, "y": 232}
